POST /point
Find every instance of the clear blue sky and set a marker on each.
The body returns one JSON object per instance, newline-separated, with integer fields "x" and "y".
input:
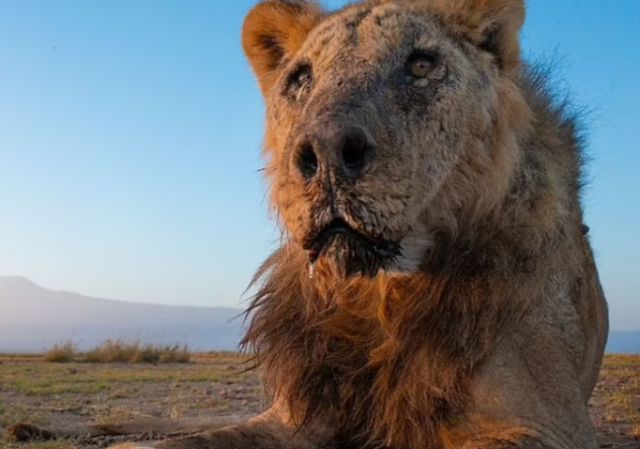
{"x": 130, "y": 135}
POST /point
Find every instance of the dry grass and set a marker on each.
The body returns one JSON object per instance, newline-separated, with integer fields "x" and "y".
{"x": 46, "y": 394}
{"x": 119, "y": 351}
{"x": 615, "y": 406}
{"x": 7, "y": 443}
{"x": 218, "y": 383}
{"x": 65, "y": 352}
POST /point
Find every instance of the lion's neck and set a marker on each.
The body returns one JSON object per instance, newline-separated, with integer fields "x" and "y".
{"x": 330, "y": 347}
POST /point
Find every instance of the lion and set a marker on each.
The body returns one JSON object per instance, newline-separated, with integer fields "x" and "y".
{"x": 435, "y": 286}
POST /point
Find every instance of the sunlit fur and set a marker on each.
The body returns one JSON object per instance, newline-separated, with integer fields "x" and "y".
{"x": 489, "y": 174}
{"x": 488, "y": 330}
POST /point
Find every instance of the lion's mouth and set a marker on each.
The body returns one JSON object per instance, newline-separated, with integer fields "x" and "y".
{"x": 354, "y": 251}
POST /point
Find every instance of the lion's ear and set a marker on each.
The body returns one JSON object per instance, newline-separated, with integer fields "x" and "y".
{"x": 492, "y": 25}
{"x": 274, "y": 29}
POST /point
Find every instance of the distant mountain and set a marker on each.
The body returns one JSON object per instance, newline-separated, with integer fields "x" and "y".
{"x": 33, "y": 318}
{"x": 620, "y": 341}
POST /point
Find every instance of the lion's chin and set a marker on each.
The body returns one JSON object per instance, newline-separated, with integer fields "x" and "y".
{"x": 348, "y": 251}
{"x": 352, "y": 257}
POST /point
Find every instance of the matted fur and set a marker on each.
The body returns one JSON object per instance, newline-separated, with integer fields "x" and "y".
{"x": 352, "y": 354}
{"x": 486, "y": 330}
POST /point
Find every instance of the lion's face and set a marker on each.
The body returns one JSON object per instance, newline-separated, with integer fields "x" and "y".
{"x": 381, "y": 126}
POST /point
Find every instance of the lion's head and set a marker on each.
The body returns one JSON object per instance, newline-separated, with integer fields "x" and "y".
{"x": 386, "y": 122}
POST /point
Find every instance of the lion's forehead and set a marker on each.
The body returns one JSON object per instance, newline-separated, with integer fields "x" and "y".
{"x": 370, "y": 33}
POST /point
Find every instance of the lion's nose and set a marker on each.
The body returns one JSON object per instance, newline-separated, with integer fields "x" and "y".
{"x": 347, "y": 151}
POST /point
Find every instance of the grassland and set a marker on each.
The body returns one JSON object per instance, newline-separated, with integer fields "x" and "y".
{"x": 118, "y": 350}
{"x": 217, "y": 383}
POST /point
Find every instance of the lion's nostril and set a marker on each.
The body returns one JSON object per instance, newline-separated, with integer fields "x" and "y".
{"x": 307, "y": 161}
{"x": 354, "y": 151}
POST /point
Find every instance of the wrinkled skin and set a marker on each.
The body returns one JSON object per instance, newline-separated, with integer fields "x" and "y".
{"x": 355, "y": 73}
{"x": 436, "y": 287}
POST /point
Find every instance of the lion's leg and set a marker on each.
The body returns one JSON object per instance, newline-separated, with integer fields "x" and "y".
{"x": 257, "y": 435}
{"x": 174, "y": 427}
{"x": 514, "y": 442}
{"x": 524, "y": 443}
{"x": 232, "y": 438}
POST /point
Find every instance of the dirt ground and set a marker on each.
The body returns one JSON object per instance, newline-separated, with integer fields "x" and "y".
{"x": 60, "y": 394}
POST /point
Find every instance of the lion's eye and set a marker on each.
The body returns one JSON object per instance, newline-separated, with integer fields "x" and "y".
{"x": 299, "y": 81}
{"x": 421, "y": 64}
{"x": 302, "y": 76}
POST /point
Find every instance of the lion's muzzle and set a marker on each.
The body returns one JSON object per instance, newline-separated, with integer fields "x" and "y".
{"x": 333, "y": 156}
{"x": 333, "y": 150}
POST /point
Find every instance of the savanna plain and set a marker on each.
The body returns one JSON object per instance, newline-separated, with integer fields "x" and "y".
{"x": 61, "y": 388}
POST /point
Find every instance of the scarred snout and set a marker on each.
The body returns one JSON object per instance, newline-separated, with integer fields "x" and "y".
{"x": 332, "y": 158}
{"x": 336, "y": 150}
{"x": 343, "y": 179}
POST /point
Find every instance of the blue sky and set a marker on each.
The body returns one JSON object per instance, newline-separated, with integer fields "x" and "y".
{"x": 130, "y": 134}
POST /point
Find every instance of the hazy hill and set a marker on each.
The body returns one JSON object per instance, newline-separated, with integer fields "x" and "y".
{"x": 33, "y": 318}
{"x": 620, "y": 341}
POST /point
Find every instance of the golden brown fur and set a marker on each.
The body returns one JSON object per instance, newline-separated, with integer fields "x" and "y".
{"x": 392, "y": 341}
{"x": 457, "y": 305}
